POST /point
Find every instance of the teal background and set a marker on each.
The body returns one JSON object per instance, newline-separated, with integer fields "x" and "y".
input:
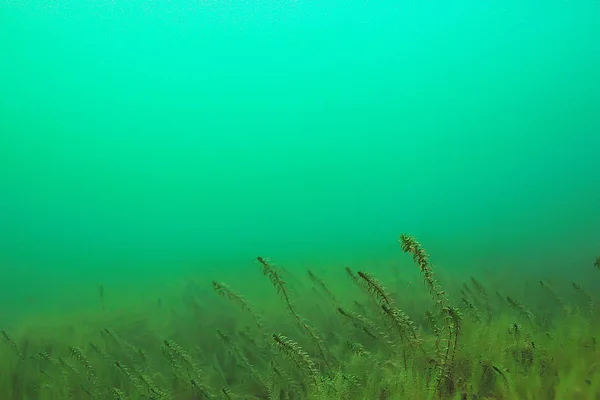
{"x": 144, "y": 140}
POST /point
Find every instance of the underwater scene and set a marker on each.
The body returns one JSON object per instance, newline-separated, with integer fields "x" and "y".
{"x": 299, "y": 199}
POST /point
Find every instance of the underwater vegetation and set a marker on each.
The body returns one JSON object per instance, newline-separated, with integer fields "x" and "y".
{"x": 308, "y": 338}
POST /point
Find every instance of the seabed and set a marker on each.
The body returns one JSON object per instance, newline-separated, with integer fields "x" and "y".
{"x": 308, "y": 337}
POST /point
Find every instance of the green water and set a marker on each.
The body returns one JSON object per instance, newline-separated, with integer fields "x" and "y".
{"x": 142, "y": 141}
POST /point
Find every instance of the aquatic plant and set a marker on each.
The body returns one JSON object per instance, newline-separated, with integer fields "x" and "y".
{"x": 371, "y": 336}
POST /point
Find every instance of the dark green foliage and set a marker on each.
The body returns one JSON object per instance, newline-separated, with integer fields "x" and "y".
{"x": 310, "y": 339}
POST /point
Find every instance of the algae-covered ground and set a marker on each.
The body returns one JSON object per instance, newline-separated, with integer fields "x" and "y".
{"x": 352, "y": 334}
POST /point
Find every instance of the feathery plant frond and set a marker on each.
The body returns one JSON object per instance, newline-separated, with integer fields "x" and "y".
{"x": 298, "y": 356}
{"x": 451, "y": 315}
{"x": 279, "y": 284}
{"x": 236, "y": 298}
